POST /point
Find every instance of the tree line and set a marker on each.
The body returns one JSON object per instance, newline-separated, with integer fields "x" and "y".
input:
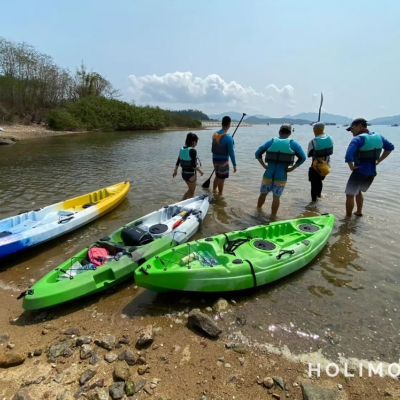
{"x": 34, "y": 88}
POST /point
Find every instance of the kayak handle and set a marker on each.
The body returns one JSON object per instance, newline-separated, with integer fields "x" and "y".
{"x": 281, "y": 253}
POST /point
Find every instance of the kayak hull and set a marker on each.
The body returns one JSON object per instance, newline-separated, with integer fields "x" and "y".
{"x": 31, "y": 228}
{"x": 264, "y": 254}
{"x": 50, "y": 290}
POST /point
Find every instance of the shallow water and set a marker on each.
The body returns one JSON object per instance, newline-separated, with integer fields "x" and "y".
{"x": 346, "y": 301}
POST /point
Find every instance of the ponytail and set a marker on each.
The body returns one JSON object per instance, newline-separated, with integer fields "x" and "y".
{"x": 190, "y": 138}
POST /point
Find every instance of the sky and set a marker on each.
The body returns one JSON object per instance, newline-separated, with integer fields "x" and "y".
{"x": 255, "y": 56}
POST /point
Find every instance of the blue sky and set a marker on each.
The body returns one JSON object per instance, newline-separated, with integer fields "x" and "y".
{"x": 269, "y": 57}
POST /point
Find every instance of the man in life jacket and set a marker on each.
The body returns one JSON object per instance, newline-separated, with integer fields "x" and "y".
{"x": 222, "y": 149}
{"x": 280, "y": 155}
{"x": 320, "y": 149}
{"x": 363, "y": 155}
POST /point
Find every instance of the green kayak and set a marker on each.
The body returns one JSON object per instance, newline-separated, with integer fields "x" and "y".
{"x": 118, "y": 255}
{"x": 238, "y": 260}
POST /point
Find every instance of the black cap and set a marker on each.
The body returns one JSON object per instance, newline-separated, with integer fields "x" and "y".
{"x": 356, "y": 122}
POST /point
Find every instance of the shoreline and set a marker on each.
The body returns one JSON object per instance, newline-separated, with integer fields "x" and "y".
{"x": 180, "y": 362}
{"x": 17, "y": 132}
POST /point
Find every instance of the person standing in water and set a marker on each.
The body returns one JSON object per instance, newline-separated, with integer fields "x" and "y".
{"x": 280, "y": 154}
{"x": 222, "y": 149}
{"x": 320, "y": 149}
{"x": 187, "y": 159}
{"x": 362, "y": 156}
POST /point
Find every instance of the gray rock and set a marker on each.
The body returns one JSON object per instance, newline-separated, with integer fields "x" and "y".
{"x": 80, "y": 340}
{"x": 204, "y": 322}
{"x": 94, "y": 359}
{"x": 279, "y": 381}
{"x": 57, "y": 350}
{"x": 34, "y": 382}
{"x": 241, "y": 360}
{"x": 220, "y": 305}
{"x": 146, "y": 337}
{"x": 67, "y": 353}
{"x": 4, "y": 337}
{"x": 21, "y": 395}
{"x": 110, "y": 357}
{"x": 122, "y": 372}
{"x": 37, "y": 352}
{"x": 98, "y": 394}
{"x": 241, "y": 320}
{"x": 71, "y": 331}
{"x": 128, "y": 356}
{"x": 312, "y": 392}
{"x": 123, "y": 341}
{"x": 268, "y": 382}
{"x": 106, "y": 342}
{"x": 11, "y": 359}
{"x": 140, "y": 385}
{"x": 86, "y": 351}
{"x": 143, "y": 369}
{"x": 58, "y": 378}
{"x": 98, "y": 384}
{"x": 63, "y": 396}
{"x": 117, "y": 390}
{"x": 6, "y": 141}
{"x": 86, "y": 376}
{"x": 141, "y": 360}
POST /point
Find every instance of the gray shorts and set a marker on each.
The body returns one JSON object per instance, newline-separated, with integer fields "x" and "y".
{"x": 358, "y": 183}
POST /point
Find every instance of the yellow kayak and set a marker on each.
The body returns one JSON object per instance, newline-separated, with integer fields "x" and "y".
{"x": 31, "y": 228}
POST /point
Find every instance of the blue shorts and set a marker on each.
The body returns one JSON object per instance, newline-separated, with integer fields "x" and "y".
{"x": 274, "y": 187}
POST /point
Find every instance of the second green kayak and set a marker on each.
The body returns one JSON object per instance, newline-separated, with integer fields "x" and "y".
{"x": 238, "y": 260}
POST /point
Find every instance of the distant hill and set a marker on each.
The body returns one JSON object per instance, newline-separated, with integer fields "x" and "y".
{"x": 255, "y": 120}
{"x": 195, "y": 114}
{"x": 394, "y": 119}
{"x": 235, "y": 116}
{"x": 325, "y": 117}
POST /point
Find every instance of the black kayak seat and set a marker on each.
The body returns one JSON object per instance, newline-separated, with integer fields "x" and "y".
{"x": 87, "y": 205}
{"x": 5, "y": 233}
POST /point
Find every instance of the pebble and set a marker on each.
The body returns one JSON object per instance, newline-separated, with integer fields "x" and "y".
{"x": 10, "y": 345}
{"x": 227, "y": 365}
{"x": 58, "y": 378}
{"x": 37, "y": 352}
{"x": 116, "y": 390}
{"x": 241, "y": 360}
{"x": 86, "y": 351}
{"x": 122, "y": 372}
{"x": 268, "y": 382}
{"x": 146, "y": 336}
{"x": 110, "y": 357}
{"x": 143, "y": 369}
{"x": 106, "y": 342}
{"x": 71, "y": 331}
{"x": 86, "y": 376}
{"x": 128, "y": 356}
{"x": 80, "y": 340}
{"x": 340, "y": 387}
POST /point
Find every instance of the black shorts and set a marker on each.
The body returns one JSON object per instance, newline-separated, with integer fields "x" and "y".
{"x": 189, "y": 176}
{"x": 358, "y": 183}
{"x": 313, "y": 175}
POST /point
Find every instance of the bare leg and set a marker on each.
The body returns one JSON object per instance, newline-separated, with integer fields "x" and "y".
{"x": 221, "y": 183}
{"x": 215, "y": 184}
{"x": 191, "y": 189}
{"x": 359, "y": 202}
{"x": 261, "y": 200}
{"x": 275, "y": 205}
{"x": 349, "y": 205}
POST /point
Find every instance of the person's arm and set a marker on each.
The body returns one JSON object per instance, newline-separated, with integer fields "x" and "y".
{"x": 388, "y": 147}
{"x": 310, "y": 150}
{"x": 193, "y": 157}
{"x": 178, "y": 161}
{"x": 355, "y": 144}
{"x": 231, "y": 151}
{"x": 301, "y": 156}
{"x": 260, "y": 151}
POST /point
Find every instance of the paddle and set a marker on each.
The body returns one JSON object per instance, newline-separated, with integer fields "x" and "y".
{"x": 206, "y": 184}
{"x": 182, "y": 220}
{"x": 320, "y": 106}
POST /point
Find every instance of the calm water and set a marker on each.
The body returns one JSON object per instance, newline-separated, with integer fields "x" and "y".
{"x": 351, "y": 290}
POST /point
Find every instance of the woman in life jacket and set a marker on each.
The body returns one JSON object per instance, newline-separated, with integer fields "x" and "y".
{"x": 188, "y": 161}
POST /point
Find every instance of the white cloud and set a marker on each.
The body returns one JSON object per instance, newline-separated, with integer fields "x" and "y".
{"x": 287, "y": 91}
{"x": 382, "y": 107}
{"x": 270, "y": 99}
{"x": 184, "y": 87}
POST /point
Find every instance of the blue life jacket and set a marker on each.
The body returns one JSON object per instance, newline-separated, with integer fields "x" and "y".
{"x": 372, "y": 148}
{"x": 216, "y": 148}
{"x": 323, "y": 147}
{"x": 280, "y": 151}
{"x": 185, "y": 159}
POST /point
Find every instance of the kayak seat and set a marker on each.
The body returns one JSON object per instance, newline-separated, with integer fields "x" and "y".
{"x": 135, "y": 236}
{"x": 87, "y": 205}
{"x": 5, "y": 233}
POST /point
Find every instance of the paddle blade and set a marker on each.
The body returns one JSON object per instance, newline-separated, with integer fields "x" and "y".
{"x": 177, "y": 223}
{"x": 206, "y": 184}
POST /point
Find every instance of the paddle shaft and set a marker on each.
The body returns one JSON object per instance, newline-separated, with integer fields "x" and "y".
{"x": 320, "y": 107}
{"x": 206, "y": 184}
